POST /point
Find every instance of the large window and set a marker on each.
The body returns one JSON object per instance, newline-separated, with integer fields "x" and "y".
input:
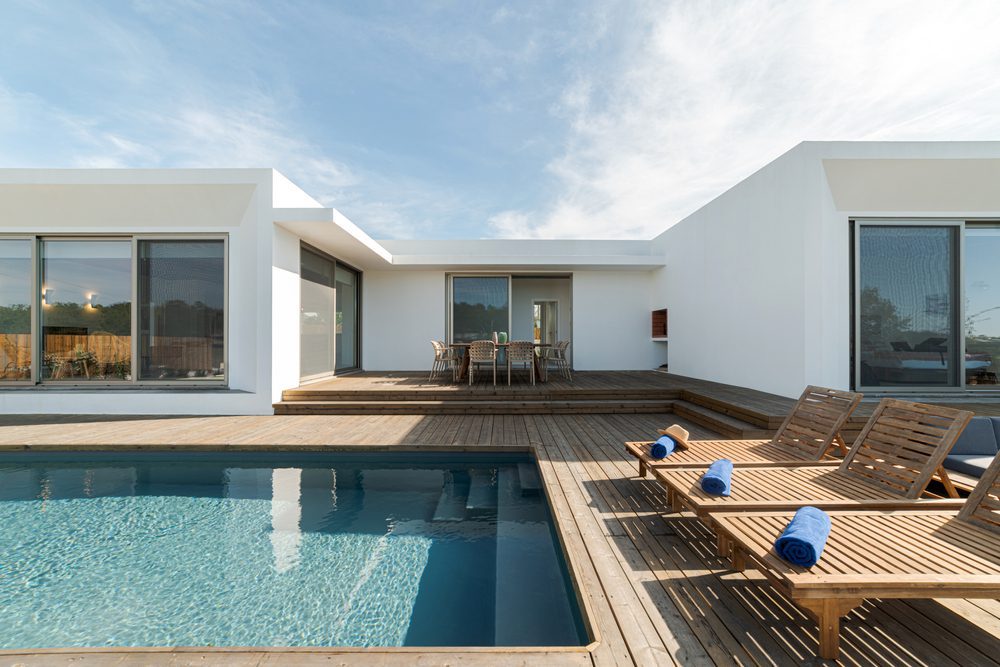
{"x": 15, "y": 310}
{"x": 906, "y": 306}
{"x": 181, "y": 309}
{"x": 480, "y": 306}
{"x": 119, "y": 310}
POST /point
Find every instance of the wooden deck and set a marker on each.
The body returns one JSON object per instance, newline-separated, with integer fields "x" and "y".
{"x": 658, "y": 592}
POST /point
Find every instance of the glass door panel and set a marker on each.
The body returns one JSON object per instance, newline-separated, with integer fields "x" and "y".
{"x": 906, "y": 306}
{"x": 318, "y": 316}
{"x": 346, "y": 353}
{"x": 982, "y": 306}
{"x": 15, "y": 310}
{"x": 480, "y": 306}
{"x": 86, "y": 310}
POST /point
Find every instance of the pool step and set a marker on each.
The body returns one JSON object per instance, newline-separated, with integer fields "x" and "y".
{"x": 482, "y": 491}
{"x": 526, "y": 566}
{"x": 454, "y": 497}
{"x": 530, "y": 482}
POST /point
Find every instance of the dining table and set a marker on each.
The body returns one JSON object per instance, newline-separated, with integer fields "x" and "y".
{"x": 464, "y": 367}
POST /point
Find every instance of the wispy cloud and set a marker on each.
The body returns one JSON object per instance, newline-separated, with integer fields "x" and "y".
{"x": 703, "y": 93}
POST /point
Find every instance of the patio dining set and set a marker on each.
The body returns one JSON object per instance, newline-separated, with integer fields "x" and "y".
{"x": 464, "y": 359}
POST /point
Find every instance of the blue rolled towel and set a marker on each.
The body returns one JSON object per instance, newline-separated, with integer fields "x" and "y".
{"x": 716, "y": 479}
{"x": 803, "y": 540}
{"x": 663, "y": 447}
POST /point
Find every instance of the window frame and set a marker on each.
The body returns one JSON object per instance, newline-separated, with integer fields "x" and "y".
{"x": 36, "y": 381}
{"x": 957, "y": 227}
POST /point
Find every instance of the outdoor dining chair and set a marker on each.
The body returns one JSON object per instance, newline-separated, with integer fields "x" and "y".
{"x": 521, "y": 352}
{"x": 558, "y": 354}
{"x": 482, "y": 352}
{"x": 444, "y": 359}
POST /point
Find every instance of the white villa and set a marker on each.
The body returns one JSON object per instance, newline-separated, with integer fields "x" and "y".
{"x": 210, "y": 291}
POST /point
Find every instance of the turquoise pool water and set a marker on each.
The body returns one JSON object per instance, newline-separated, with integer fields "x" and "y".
{"x": 279, "y": 549}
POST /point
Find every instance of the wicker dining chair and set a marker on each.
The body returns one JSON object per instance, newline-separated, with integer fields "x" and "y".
{"x": 521, "y": 352}
{"x": 444, "y": 359}
{"x": 482, "y": 352}
{"x": 558, "y": 354}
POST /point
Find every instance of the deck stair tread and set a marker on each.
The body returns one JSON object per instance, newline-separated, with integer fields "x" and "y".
{"x": 719, "y": 422}
{"x": 769, "y": 419}
{"x": 293, "y": 395}
{"x": 474, "y": 407}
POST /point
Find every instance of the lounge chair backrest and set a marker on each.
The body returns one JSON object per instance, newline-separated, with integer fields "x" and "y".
{"x": 983, "y": 506}
{"x": 816, "y": 420}
{"x": 903, "y": 445}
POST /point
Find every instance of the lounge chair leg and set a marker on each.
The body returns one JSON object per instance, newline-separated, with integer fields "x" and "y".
{"x": 643, "y": 469}
{"x": 828, "y": 612}
{"x": 739, "y": 559}
{"x": 723, "y": 546}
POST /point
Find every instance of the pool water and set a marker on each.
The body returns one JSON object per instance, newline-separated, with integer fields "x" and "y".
{"x": 280, "y": 549}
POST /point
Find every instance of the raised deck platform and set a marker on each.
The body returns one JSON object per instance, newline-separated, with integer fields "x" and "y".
{"x": 660, "y": 595}
{"x": 734, "y": 412}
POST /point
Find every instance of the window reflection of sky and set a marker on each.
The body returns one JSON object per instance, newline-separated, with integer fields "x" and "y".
{"x": 982, "y": 286}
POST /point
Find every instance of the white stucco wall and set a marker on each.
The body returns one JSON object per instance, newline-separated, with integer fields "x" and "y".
{"x": 402, "y": 312}
{"x": 733, "y": 283}
{"x": 123, "y": 202}
{"x": 611, "y": 321}
{"x": 525, "y": 291}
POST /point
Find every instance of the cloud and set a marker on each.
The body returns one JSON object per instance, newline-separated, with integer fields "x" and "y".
{"x": 701, "y": 94}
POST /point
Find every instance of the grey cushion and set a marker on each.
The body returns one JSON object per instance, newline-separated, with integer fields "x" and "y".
{"x": 979, "y": 438}
{"x": 969, "y": 464}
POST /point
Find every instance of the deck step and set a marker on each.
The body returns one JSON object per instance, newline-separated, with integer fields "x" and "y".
{"x": 758, "y": 418}
{"x": 476, "y": 407}
{"x": 723, "y": 424}
{"x": 487, "y": 393}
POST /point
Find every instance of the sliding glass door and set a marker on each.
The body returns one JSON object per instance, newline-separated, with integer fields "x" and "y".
{"x": 329, "y": 325}
{"x": 346, "y": 282}
{"x": 907, "y": 305}
{"x": 480, "y": 306}
{"x": 318, "y": 308}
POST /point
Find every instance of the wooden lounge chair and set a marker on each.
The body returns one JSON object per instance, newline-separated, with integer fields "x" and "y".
{"x": 903, "y": 554}
{"x": 809, "y": 434}
{"x": 899, "y": 451}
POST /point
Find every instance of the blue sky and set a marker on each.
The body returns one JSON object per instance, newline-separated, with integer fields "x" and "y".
{"x": 465, "y": 120}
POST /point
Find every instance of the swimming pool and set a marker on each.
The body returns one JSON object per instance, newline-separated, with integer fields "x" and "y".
{"x": 280, "y": 549}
